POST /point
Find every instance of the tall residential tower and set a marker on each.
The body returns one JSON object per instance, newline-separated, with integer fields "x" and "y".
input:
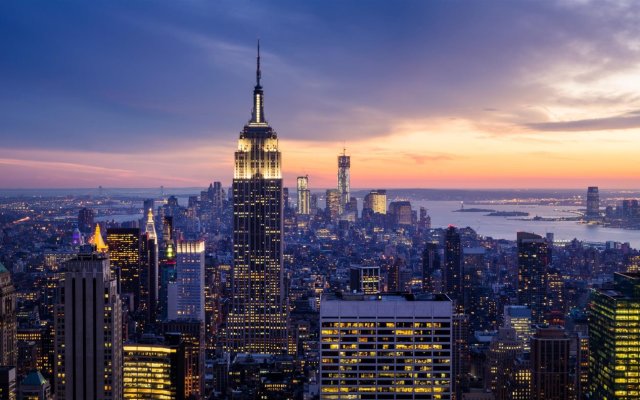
{"x": 257, "y": 321}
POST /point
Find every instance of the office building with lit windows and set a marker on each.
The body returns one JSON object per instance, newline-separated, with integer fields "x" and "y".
{"x": 614, "y": 340}
{"x": 124, "y": 254}
{"x": 332, "y": 199}
{"x": 519, "y": 318}
{"x": 364, "y": 279}
{"x": 88, "y": 325}
{"x": 257, "y": 319}
{"x": 385, "y": 347}
{"x": 154, "y": 369}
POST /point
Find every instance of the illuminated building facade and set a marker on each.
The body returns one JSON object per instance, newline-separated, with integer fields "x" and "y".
{"x": 186, "y": 294}
{"x": 304, "y": 195}
{"x": 593, "y": 203}
{"x": 503, "y": 351}
{"x": 88, "y": 325}
{"x": 8, "y": 321}
{"x": 154, "y": 370}
{"x": 257, "y": 320}
{"x": 365, "y": 279}
{"x": 344, "y": 165}
{"x": 333, "y": 204}
{"x": 614, "y": 340}
{"x": 124, "y": 255}
{"x": 534, "y": 257}
{"x": 376, "y": 201}
{"x": 550, "y": 364}
{"x": 519, "y": 318}
{"x": 385, "y": 347}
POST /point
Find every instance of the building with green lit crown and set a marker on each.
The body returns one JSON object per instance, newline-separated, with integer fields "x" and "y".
{"x": 614, "y": 340}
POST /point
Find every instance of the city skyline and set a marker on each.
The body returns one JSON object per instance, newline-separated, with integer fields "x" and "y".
{"x": 448, "y": 95}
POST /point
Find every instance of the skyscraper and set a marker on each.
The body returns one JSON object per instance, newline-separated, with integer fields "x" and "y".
{"x": 333, "y": 204}
{"x": 8, "y": 322}
{"x": 533, "y": 263}
{"x": 344, "y": 164}
{"x": 154, "y": 369}
{"x": 257, "y": 320}
{"x": 453, "y": 265}
{"x": 186, "y": 294}
{"x": 593, "y": 203}
{"x": 614, "y": 334}
{"x": 430, "y": 264}
{"x": 304, "y": 195}
{"x": 88, "y": 331}
{"x": 385, "y": 347}
{"x": 124, "y": 255}
{"x": 376, "y": 201}
{"x": 364, "y": 279}
{"x": 149, "y": 271}
{"x": 550, "y": 364}
{"x": 85, "y": 219}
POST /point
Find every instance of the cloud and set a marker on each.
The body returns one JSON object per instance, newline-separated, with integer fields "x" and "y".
{"x": 629, "y": 120}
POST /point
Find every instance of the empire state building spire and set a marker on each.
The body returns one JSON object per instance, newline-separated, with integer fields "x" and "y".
{"x": 257, "y": 116}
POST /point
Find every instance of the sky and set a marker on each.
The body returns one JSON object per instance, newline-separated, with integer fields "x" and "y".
{"x": 422, "y": 94}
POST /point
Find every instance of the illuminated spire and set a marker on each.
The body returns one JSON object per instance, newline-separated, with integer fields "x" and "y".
{"x": 98, "y": 241}
{"x": 257, "y": 116}
{"x": 150, "y": 228}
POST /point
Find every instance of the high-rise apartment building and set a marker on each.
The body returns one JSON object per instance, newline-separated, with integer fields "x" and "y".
{"x": 550, "y": 364}
{"x": 304, "y": 195}
{"x": 88, "y": 324}
{"x": 503, "y": 351}
{"x": 186, "y": 294}
{"x": 8, "y": 383}
{"x": 533, "y": 264}
{"x": 430, "y": 264}
{"x": 452, "y": 268}
{"x": 614, "y": 340}
{"x": 385, "y": 347}
{"x": 257, "y": 320}
{"x": 8, "y": 321}
{"x": 344, "y": 165}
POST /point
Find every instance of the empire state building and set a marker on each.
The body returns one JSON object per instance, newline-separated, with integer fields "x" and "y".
{"x": 257, "y": 321}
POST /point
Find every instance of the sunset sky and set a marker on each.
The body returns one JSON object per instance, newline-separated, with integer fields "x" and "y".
{"x": 434, "y": 94}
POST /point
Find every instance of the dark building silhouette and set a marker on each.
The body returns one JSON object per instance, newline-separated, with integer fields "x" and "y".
{"x": 452, "y": 270}
{"x": 430, "y": 264}
{"x": 533, "y": 263}
{"x": 550, "y": 364}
